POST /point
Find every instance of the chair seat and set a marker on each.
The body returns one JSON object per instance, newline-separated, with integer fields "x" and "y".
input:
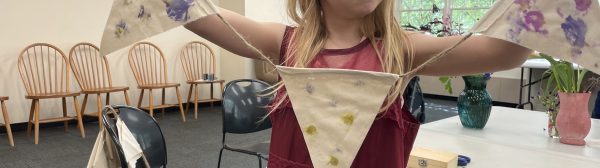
{"x": 260, "y": 149}
{"x": 52, "y": 95}
{"x": 205, "y": 81}
{"x": 3, "y": 98}
{"x": 159, "y": 86}
{"x": 105, "y": 90}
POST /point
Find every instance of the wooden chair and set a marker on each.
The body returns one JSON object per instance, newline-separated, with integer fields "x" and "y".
{"x": 45, "y": 74}
{"x": 93, "y": 75}
{"x": 149, "y": 68}
{"x": 198, "y": 59}
{"x": 6, "y": 121}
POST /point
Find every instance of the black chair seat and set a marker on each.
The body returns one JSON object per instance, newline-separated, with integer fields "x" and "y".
{"x": 261, "y": 149}
{"x": 414, "y": 99}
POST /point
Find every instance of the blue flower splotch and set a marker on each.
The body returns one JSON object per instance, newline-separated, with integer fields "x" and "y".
{"x": 177, "y": 10}
{"x": 575, "y": 31}
{"x": 121, "y": 29}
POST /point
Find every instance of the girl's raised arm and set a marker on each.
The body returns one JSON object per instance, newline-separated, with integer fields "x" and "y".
{"x": 264, "y": 36}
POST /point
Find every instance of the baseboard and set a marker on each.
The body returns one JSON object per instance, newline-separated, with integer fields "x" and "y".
{"x": 17, "y": 127}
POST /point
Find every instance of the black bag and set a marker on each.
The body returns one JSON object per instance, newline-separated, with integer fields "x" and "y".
{"x": 413, "y": 99}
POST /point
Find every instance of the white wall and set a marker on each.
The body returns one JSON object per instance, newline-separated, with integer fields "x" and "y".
{"x": 234, "y": 66}
{"x": 268, "y": 11}
{"x": 65, "y": 23}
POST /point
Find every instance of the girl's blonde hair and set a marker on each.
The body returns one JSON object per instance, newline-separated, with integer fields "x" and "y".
{"x": 309, "y": 38}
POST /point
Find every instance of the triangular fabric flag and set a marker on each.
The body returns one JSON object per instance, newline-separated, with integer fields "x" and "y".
{"x": 134, "y": 20}
{"x": 100, "y": 156}
{"x": 566, "y": 29}
{"x": 335, "y": 109}
{"x": 131, "y": 147}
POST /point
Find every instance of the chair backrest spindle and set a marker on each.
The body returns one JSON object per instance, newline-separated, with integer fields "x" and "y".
{"x": 148, "y": 64}
{"x": 197, "y": 59}
{"x": 90, "y": 68}
{"x": 43, "y": 69}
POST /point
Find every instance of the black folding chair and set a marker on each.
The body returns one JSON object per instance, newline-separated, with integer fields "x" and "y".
{"x": 243, "y": 111}
{"x": 145, "y": 130}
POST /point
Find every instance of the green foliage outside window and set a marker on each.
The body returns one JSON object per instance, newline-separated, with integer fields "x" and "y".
{"x": 465, "y": 12}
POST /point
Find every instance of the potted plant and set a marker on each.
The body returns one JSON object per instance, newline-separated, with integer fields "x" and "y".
{"x": 573, "y": 119}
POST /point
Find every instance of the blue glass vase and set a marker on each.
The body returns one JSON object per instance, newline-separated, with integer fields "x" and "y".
{"x": 474, "y": 102}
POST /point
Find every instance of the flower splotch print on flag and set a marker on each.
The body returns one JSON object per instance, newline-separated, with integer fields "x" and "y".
{"x": 560, "y": 28}
{"x": 574, "y": 27}
{"x": 526, "y": 18}
{"x": 121, "y": 29}
{"x": 133, "y": 20}
{"x": 575, "y": 30}
{"x": 142, "y": 14}
{"x": 178, "y": 9}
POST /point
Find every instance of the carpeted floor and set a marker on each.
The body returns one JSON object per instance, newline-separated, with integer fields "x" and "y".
{"x": 195, "y": 143}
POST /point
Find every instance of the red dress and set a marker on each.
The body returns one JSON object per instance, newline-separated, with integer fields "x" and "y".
{"x": 389, "y": 141}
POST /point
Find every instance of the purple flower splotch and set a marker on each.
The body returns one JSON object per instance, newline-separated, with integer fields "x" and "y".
{"x": 487, "y": 76}
{"x": 143, "y": 14}
{"x": 121, "y": 29}
{"x": 575, "y": 32}
{"x": 583, "y": 5}
{"x": 515, "y": 31}
{"x": 526, "y": 18}
{"x": 177, "y": 10}
{"x": 534, "y": 21}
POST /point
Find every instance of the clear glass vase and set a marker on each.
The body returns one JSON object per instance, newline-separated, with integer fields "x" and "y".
{"x": 474, "y": 102}
{"x": 552, "y": 131}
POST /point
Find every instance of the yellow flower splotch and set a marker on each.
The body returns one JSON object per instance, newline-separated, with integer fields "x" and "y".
{"x": 311, "y": 130}
{"x": 348, "y": 118}
{"x": 333, "y": 161}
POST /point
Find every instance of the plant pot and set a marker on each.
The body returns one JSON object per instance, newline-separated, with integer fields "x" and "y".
{"x": 474, "y": 102}
{"x": 573, "y": 121}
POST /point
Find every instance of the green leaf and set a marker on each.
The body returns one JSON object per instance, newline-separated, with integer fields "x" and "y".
{"x": 447, "y": 82}
{"x": 580, "y": 74}
{"x": 567, "y": 79}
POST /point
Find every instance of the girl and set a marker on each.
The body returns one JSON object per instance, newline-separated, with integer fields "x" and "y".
{"x": 361, "y": 35}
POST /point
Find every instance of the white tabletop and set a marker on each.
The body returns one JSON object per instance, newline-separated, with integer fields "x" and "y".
{"x": 511, "y": 138}
{"x": 540, "y": 63}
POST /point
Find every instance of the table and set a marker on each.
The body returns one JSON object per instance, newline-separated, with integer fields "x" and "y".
{"x": 511, "y": 138}
{"x": 538, "y": 63}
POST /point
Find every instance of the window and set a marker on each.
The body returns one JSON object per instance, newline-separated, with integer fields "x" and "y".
{"x": 462, "y": 13}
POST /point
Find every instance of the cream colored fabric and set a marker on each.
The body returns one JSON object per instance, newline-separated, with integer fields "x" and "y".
{"x": 131, "y": 148}
{"x": 134, "y": 20}
{"x": 335, "y": 109}
{"x": 103, "y": 155}
{"x": 566, "y": 29}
